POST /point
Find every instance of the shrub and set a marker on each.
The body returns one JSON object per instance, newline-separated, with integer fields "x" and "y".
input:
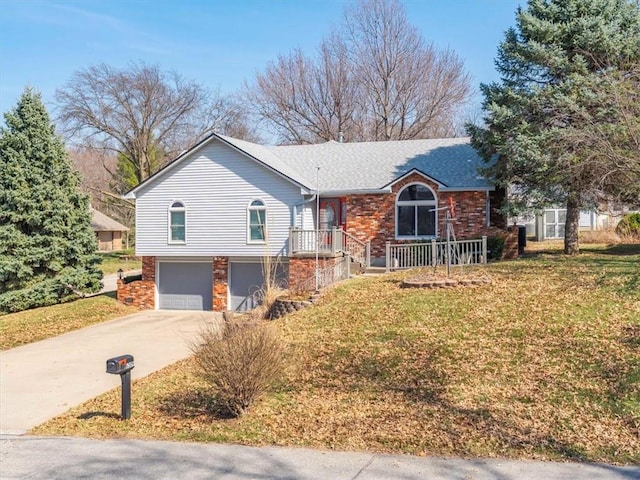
{"x": 240, "y": 360}
{"x": 629, "y": 226}
{"x": 599, "y": 237}
{"x": 495, "y": 247}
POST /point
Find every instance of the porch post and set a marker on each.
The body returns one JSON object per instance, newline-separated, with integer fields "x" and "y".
{"x": 336, "y": 240}
{"x": 290, "y": 240}
{"x": 348, "y": 260}
{"x": 388, "y": 259}
{"x": 367, "y": 253}
{"x": 484, "y": 249}
{"x": 434, "y": 252}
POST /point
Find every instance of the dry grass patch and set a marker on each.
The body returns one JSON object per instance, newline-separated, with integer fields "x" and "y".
{"x": 39, "y": 323}
{"x": 543, "y": 363}
{"x": 113, "y": 261}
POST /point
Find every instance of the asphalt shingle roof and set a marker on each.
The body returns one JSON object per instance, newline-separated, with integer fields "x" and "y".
{"x": 373, "y": 165}
{"x": 101, "y": 223}
{"x": 362, "y": 166}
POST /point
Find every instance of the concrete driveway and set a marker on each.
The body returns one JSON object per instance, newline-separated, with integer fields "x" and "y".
{"x": 44, "y": 379}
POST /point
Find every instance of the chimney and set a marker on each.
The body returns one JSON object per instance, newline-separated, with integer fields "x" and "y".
{"x": 340, "y": 137}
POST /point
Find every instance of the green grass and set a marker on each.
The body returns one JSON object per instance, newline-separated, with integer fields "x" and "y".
{"x": 542, "y": 363}
{"x": 39, "y": 323}
{"x": 113, "y": 261}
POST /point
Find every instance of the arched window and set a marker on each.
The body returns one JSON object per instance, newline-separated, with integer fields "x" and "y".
{"x": 416, "y": 214}
{"x": 257, "y": 222}
{"x": 177, "y": 223}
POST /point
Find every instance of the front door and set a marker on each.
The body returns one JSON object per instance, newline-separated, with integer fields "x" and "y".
{"x": 332, "y": 214}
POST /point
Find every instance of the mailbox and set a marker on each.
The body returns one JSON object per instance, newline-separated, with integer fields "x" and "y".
{"x": 120, "y": 365}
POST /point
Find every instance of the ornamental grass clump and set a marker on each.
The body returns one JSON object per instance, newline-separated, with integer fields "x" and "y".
{"x": 240, "y": 360}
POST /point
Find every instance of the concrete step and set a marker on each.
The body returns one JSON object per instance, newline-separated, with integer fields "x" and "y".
{"x": 375, "y": 270}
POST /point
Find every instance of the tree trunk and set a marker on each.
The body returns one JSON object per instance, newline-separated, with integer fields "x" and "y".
{"x": 571, "y": 245}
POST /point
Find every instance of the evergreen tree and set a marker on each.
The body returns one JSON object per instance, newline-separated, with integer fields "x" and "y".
{"x": 549, "y": 97}
{"x": 47, "y": 246}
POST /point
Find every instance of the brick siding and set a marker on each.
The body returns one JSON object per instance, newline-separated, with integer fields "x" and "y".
{"x": 149, "y": 269}
{"x": 372, "y": 217}
{"x": 220, "y": 283}
{"x": 140, "y": 293}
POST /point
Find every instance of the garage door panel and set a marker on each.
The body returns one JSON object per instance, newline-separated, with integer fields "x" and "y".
{"x": 185, "y": 286}
{"x": 246, "y": 280}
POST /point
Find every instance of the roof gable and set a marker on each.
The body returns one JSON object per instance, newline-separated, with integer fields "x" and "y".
{"x": 257, "y": 153}
{"x": 357, "y": 167}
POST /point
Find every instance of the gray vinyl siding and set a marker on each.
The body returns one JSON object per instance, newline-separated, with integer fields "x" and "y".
{"x": 216, "y": 185}
{"x": 308, "y": 216}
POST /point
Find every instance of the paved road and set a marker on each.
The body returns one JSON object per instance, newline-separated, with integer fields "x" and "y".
{"x": 44, "y": 379}
{"x": 65, "y": 458}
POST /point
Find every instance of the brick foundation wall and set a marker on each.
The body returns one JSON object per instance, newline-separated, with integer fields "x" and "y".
{"x": 372, "y": 217}
{"x": 220, "y": 283}
{"x": 140, "y": 293}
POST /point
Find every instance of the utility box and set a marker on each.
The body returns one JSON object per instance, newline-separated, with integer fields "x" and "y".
{"x": 121, "y": 364}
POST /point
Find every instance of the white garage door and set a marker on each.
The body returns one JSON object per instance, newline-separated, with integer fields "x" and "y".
{"x": 185, "y": 286}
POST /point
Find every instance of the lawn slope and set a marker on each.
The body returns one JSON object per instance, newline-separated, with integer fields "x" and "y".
{"x": 542, "y": 363}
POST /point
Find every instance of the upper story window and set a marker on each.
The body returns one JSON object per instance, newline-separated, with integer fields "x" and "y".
{"x": 177, "y": 223}
{"x": 257, "y": 222}
{"x": 416, "y": 214}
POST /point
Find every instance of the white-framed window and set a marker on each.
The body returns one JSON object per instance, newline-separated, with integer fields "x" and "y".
{"x": 416, "y": 214}
{"x": 257, "y": 222}
{"x": 177, "y": 222}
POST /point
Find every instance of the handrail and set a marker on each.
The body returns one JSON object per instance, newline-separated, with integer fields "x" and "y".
{"x": 325, "y": 277}
{"x": 456, "y": 253}
{"x": 332, "y": 241}
{"x": 354, "y": 247}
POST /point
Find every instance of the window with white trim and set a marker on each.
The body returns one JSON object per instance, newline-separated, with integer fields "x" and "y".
{"x": 257, "y": 222}
{"x": 416, "y": 214}
{"x": 177, "y": 223}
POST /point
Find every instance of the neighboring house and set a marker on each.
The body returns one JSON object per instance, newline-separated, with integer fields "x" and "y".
{"x": 108, "y": 232}
{"x": 550, "y": 224}
{"x": 205, "y": 222}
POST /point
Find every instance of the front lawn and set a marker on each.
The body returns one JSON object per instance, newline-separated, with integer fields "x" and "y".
{"x": 125, "y": 260}
{"x": 542, "y": 363}
{"x": 39, "y": 323}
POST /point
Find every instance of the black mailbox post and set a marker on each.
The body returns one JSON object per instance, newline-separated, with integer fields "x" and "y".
{"x": 122, "y": 365}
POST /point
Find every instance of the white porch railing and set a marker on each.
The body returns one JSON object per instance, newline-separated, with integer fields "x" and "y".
{"x": 329, "y": 242}
{"x": 455, "y": 253}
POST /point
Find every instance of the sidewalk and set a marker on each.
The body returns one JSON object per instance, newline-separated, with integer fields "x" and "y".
{"x": 65, "y": 458}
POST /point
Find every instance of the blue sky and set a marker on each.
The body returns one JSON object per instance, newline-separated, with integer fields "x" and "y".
{"x": 219, "y": 44}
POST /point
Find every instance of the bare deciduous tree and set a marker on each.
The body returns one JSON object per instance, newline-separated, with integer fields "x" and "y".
{"x": 373, "y": 79}
{"x": 305, "y": 100}
{"x": 141, "y": 112}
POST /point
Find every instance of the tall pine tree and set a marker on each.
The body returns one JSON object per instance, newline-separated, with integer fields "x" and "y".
{"x": 47, "y": 246}
{"x": 536, "y": 118}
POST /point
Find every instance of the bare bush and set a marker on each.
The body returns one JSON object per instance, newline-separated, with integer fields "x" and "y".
{"x": 240, "y": 360}
{"x": 599, "y": 237}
